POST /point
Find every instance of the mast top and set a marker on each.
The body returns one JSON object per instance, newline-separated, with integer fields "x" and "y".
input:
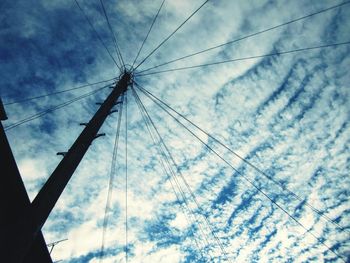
{"x": 127, "y": 74}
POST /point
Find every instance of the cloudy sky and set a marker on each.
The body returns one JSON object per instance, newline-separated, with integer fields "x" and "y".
{"x": 287, "y": 115}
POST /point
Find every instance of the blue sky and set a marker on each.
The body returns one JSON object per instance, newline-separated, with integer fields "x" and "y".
{"x": 288, "y": 115}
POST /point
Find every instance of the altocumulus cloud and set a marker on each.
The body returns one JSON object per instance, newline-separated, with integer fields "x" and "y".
{"x": 287, "y": 114}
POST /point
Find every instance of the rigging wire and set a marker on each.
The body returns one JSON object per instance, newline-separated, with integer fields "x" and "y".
{"x": 97, "y": 34}
{"x": 314, "y": 209}
{"x": 56, "y": 92}
{"x": 168, "y": 37}
{"x": 149, "y": 31}
{"x": 59, "y": 106}
{"x": 252, "y": 184}
{"x": 126, "y": 176}
{"x": 186, "y": 184}
{"x": 171, "y": 176}
{"x": 111, "y": 179}
{"x": 246, "y": 58}
{"x": 117, "y": 49}
{"x": 247, "y": 36}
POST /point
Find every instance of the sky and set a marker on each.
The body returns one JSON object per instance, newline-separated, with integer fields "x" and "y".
{"x": 287, "y": 115}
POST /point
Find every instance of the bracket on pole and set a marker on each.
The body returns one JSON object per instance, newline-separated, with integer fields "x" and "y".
{"x": 53, "y": 244}
{"x": 99, "y": 135}
{"x": 112, "y": 111}
{"x": 61, "y": 153}
{"x": 83, "y": 123}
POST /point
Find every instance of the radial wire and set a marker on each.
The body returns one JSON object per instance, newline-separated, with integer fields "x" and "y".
{"x": 252, "y": 184}
{"x": 192, "y": 194}
{"x": 248, "y": 36}
{"x": 117, "y": 49}
{"x": 167, "y": 38}
{"x": 245, "y": 160}
{"x": 56, "y": 92}
{"x": 185, "y": 209}
{"x": 246, "y": 58}
{"x": 111, "y": 179}
{"x": 59, "y": 106}
{"x": 149, "y": 31}
{"x": 97, "y": 34}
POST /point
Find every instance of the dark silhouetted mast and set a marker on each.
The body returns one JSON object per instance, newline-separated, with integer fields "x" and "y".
{"x": 23, "y": 221}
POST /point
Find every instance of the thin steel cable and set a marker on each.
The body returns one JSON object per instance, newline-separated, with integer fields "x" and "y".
{"x": 56, "y": 92}
{"x": 252, "y": 184}
{"x": 43, "y": 113}
{"x": 168, "y": 171}
{"x": 111, "y": 179}
{"x": 169, "y": 156}
{"x": 217, "y": 240}
{"x": 248, "y": 36}
{"x": 246, "y": 58}
{"x": 191, "y": 213}
{"x": 149, "y": 31}
{"x": 97, "y": 34}
{"x": 183, "y": 194}
{"x": 195, "y": 199}
{"x": 168, "y": 37}
{"x": 117, "y": 49}
{"x": 314, "y": 209}
{"x": 126, "y": 176}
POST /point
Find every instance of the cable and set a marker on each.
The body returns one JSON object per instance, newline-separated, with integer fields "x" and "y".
{"x": 160, "y": 143}
{"x": 167, "y": 38}
{"x": 248, "y": 36}
{"x": 149, "y": 31}
{"x": 170, "y": 175}
{"x": 117, "y": 49}
{"x": 186, "y": 184}
{"x": 246, "y": 58}
{"x": 245, "y": 160}
{"x": 56, "y": 92}
{"x": 252, "y": 184}
{"x": 97, "y": 34}
{"x": 193, "y": 196}
{"x": 59, "y": 106}
{"x": 111, "y": 179}
{"x": 126, "y": 176}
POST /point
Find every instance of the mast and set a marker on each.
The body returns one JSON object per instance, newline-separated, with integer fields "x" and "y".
{"x": 25, "y": 226}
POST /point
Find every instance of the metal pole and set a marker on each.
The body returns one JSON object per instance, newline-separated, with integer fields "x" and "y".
{"x": 47, "y": 197}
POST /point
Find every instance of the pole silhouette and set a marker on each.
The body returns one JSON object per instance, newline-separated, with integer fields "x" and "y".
{"x": 24, "y": 227}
